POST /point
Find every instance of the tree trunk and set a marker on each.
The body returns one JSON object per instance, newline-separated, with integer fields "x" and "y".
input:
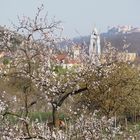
{"x": 54, "y": 109}
{"x": 126, "y": 123}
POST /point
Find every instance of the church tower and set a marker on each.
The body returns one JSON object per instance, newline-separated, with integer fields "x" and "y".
{"x": 94, "y": 46}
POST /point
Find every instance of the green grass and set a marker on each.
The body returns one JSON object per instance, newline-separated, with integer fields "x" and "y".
{"x": 33, "y": 116}
{"x": 40, "y": 116}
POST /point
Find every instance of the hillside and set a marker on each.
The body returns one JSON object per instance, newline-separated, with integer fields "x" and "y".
{"x": 117, "y": 40}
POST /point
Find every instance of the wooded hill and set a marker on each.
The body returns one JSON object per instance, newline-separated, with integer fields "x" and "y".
{"x": 117, "y": 41}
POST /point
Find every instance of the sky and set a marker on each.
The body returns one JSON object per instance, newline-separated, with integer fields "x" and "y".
{"x": 78, "y": 17}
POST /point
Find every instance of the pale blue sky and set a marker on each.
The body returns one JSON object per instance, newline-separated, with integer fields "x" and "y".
{"x": 80, "y": 15}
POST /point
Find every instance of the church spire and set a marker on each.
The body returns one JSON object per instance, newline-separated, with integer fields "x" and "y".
{"x": 94, "y": 46}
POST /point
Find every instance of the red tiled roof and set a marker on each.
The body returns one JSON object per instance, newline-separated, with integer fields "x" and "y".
{"x": 72, "y": 62}
{"x": 61, "y": 57}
